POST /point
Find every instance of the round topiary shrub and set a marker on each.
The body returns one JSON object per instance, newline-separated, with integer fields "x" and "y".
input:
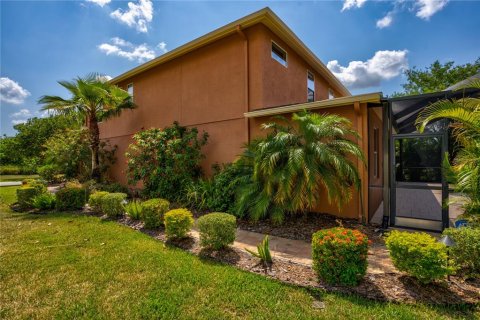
{"x": 25, "y": 196}
{"x": 112, "y": 204}
{"x": 153, "y": 212}
{"x": 72, "y": 197}
{"x": 178, "y": 223}
{"x": 217, "y": 230}
{"x": 95, "y": 200}
{"x": 340, "y": 255}
{"x": 418, "y": 254}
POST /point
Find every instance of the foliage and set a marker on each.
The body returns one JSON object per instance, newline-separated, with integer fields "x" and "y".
{"x": 71, "y": 197}
{"x": 39, "y": 185}
{"x": 48, "y": 172}
{"x": 340, "y": 255}
{"x": 178, "y": 223}
{"x": 113, "y": 187}
{"x": 217, "y": 230}
{"x": 153, "y": 212}
{"x": 166, "y": 161}
{"x": 295, "y": 164}
{"x": 94, "y": 99}
{"x": 112, "y": 204}
{"x": 95, "y": 200}
{"x": 25, "y": 196}
{"x": 466, "y": 251}
{"x": 465, "y": 113}
{"x": 437, "y": 77}
{"x": 217, "y": 193}
{"x": 11, "y": 170}
{"x": 69, "y": 152}
{"x": 418, "y": 254}
{"x": 44, "y": 201}
{"x": 263, "y": 251}
{"x": 134, "y": 209}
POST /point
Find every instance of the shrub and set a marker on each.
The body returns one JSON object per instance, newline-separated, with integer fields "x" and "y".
{"x": 48, "y": 172}
{"x": 39, "y": 185}
{"x": 71, "y": 197}
{"x": 134, "y": 209}
{"x": 10, "y": 170}
{"x": 95, "y": 200}
{"x": 112, "y": 187}
{"x": 263, "y": 251}
{"x": 419, "y": 255}
{"x": 166, "y": 161}
{"x": 45, "y": 201}
{"x": 466, "y": 252}
{"x": 112, "y": 204}
{"x": 153, "y": 212}
{"x": 25, "y": 196}
{"x": 340, "y": 255}
{"x": 217, "y": 230}
{"x": 178, "y": 223}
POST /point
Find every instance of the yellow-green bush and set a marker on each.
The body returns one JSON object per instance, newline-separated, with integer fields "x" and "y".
{"x": 466, "y": 251}
{"x": 72, "y": 197}
{"x": 178, "y": 223}
{"x": 419, "y": 255}
{"x": 153, "y": 212}
{"x": 217, "y": 230}
{"x": 112, "y": 204}
{"x": 95, "y": 200}
{"x": 25, "y": 196}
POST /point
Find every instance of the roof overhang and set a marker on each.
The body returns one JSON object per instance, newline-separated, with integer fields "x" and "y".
{"x": 265, "y": 16}
{"x": 375, "y": 97}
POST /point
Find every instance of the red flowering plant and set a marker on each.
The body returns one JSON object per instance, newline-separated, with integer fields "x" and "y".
{"x": 340, "y": 255}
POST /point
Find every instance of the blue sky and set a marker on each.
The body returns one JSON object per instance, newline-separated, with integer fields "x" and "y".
{"x": 366, "y": 43}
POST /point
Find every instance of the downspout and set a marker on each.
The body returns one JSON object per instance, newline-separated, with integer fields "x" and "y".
{"x": 247, "y": 81}
{"x": 360, "y": 164}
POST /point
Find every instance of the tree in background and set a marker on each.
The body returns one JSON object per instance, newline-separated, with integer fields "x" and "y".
{"x": 436, "y": 77}
{"x": 94, "y": 99}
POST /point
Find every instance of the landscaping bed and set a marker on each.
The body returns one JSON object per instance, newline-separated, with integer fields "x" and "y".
{"x": 391, "y": 287}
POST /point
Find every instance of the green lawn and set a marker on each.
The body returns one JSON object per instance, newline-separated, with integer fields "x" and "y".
{"x": 68, "y": 266}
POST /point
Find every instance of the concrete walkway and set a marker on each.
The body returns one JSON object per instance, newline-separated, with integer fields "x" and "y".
{"x": 10, "y": 183}
{"x": 299, "y": 251}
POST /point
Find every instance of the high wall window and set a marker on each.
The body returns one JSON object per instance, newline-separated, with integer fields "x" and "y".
{"x": 130, "y": 89}
{"x": 310, "y": 87}
{"x": 279, "y": 54}
{"x": 376, "y": 155}
{"x": 331, "y": 95}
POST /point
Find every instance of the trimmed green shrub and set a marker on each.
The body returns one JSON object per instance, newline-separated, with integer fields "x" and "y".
{"x": 418, "y": 254}
{"x": 95, "y": 200}
{"x": 10, "y": 170}
{"x": 134, "y": 209}
{"x": 25, "y": 196}
{"x": 38, "y": 185}
{"x": 44, "y": 201}
{"x": 112, "y": 204}
{"x": 153, "y": 212}
{"x": 340, "y": 255}
{"x": 217, "y": 230}
{"x": 72, "y": 197}
{"x": 47, "y": 172}
{"x": 466, "y": 252}
{"x": 178, "y": 223}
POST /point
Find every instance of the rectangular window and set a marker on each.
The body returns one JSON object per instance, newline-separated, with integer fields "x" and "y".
{"x": 310, "y": 87}
{"x": 330, "y": 94}
{"x": 130, "y": 89}
{"x": 279, "y": 54}
{"x": 375, "y": 153}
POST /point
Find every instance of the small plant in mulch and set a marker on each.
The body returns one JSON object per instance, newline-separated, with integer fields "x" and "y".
{"x": 263, "y": 252}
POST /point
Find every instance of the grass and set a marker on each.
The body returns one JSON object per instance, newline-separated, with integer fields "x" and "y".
{"x": 17, "y": 177}
{"x": 64, "y": 265}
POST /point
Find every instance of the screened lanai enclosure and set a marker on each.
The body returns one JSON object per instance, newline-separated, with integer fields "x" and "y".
{"x": 415, "y": 192}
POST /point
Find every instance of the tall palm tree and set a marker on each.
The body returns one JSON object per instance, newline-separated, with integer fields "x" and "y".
{"x": 94, "y": 99}
{"x": 288, "y": 170}
{"x": 465, "y": 113}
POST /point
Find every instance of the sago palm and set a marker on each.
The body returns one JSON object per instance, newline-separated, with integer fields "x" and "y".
{"x": 465, "y": 116}
{"x": 95, "y": 100}
{"x": 296, "y": 163}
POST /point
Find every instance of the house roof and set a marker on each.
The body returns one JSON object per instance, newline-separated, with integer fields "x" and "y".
{"x": 375, "y": 97}
{"x": 264, "y": 16}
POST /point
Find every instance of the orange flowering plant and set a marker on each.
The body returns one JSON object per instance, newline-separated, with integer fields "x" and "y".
{"x": 340, "y": 255}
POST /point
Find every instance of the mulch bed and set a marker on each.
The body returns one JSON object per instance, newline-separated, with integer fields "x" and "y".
{"x": 388, "y": 287}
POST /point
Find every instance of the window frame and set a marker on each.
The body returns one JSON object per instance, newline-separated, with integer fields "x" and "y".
{"x": 133, "y": 89}
{"x": 331, "y": 94}
{"x": 310, "y": 73}
{"x": 273, "y": 43}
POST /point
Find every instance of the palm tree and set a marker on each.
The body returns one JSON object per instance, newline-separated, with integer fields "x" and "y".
{"x": 94, "y": 99}
{"x": 465, "y": 113}
{"x": 288, "y": 170}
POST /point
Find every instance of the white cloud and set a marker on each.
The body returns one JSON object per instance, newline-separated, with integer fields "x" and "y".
{"x": 122, "y": 48}
{"x": 385, "y": 21}
{"x": 23, "y": 115}
{"x": 12, "y": 92}
{"x": 351, "y": 4}
{"x": 427, "y": 8}
{"x": 137, "y": 15}
{"x": 14, "y": 122}
{"x": 384, "y": 65}
{"x": 101, "y": 3}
